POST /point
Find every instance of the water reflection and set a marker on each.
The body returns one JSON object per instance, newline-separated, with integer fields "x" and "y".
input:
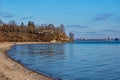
{"x": 71, "y": 49}
{"x": 71, "y": 61}
{"x": 45, "y": 50}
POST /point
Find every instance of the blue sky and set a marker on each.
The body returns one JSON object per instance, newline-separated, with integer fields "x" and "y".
{"x": 85, "y": 18}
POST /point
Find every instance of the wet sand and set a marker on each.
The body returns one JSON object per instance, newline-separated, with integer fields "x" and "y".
{"x": 12, "y": 70}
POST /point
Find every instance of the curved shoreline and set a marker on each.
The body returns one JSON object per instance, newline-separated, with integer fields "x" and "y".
{"x": 13, "y": 70}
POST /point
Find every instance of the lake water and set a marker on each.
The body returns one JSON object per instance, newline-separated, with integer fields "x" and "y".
{"x": 72, "y": 61}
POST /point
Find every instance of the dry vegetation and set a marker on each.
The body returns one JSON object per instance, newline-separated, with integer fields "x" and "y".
{"x": 32, "y": 33}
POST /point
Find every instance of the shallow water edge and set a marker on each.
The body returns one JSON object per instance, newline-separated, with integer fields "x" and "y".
{"x": 13, "y": 66}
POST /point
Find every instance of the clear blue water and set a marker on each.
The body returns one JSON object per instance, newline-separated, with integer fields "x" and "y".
{"x": 75, "y": 61}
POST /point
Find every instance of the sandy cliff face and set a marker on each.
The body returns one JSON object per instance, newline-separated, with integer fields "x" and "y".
{"x": 32, "y": 37}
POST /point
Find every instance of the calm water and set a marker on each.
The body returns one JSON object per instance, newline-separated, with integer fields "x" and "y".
{"x": 77, "y": 61}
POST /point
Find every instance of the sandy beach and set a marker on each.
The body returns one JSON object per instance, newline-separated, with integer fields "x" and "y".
{"x": 12, "y": 70}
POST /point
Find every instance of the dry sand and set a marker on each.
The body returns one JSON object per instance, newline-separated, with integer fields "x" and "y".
{"x": 12, "y": 70}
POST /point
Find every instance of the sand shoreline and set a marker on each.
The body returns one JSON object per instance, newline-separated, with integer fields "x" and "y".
{"x": 12, "y": 70}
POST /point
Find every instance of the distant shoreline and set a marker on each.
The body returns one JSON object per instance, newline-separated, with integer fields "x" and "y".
{"x": 13, "y": 70}
{"x": 97, "y": 41}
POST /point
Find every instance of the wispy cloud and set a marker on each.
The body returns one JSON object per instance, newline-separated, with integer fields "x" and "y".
{"x": 77, "y": 26}
{"x": 89, "y": 34}
{"x": 117, "y": 19}
{"x": 6, "y": 15}
{"x": 98, "y": 34}
{"x": 111, "y": 30}
{"x": 27, "y": 18}
{"x": 104, "y": 17}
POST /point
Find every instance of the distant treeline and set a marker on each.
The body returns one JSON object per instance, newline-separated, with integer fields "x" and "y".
{"x": 12, "y": 32}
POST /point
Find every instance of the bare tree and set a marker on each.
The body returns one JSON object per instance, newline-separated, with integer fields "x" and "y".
{"x": 71, "y": 36}
{"x": 31, "y": 26}
{"x": 31, "y": 32}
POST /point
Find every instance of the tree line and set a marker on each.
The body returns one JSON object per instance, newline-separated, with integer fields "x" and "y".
{"x": 31, "y": 32}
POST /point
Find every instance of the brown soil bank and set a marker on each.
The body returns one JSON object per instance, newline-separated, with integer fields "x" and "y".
{"x": 11, "y": 70}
